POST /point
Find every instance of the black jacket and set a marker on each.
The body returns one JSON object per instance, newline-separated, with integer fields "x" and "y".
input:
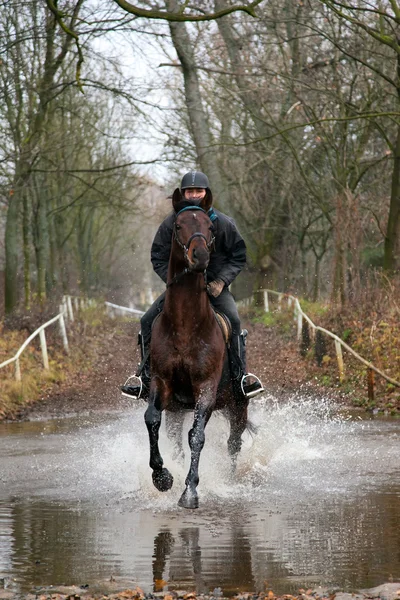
{"x": 227, "y": 260}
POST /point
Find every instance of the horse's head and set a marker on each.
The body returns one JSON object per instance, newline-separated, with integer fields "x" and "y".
{"x": 193, "y": 232}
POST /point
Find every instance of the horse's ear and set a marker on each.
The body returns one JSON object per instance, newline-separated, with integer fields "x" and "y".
{"x": 207, "y": 201}
{"x": 176, "y": 199}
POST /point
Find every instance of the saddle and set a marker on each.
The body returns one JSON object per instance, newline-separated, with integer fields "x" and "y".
{"x": 225, "y": 326}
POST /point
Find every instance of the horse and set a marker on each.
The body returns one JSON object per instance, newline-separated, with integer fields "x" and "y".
{"x": 189, "y": 358}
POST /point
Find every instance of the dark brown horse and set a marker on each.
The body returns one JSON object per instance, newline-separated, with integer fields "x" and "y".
{"x": 189, "y": 363}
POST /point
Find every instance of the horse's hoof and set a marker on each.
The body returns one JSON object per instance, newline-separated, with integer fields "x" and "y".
{"x": 189, "y": 499}
{"x": 163, "y": 480}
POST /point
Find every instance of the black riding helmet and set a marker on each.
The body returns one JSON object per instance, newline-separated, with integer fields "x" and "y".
{"x": 195, "y": 179}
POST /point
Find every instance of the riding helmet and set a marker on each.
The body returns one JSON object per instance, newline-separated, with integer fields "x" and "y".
{"x": 194, "y": 179}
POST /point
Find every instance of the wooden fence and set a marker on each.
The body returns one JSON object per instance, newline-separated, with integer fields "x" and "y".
{"x": 305, "y": 324}
{"x": 66, "y": 315}
{"x": 303, "y": 321}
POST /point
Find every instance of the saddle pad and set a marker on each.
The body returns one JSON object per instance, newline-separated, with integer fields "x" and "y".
{"x": 225, "y": 326}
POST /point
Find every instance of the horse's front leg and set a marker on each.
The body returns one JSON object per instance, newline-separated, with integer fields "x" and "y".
{"x": 162, "y": 478}
{"x": 202, "y": 413}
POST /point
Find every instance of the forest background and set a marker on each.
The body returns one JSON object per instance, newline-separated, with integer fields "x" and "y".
{"x": 292, "y": 108}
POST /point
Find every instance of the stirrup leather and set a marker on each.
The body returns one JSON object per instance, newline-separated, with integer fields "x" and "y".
{"x": 137, "y": 382}
{"x": 251, "y": 393}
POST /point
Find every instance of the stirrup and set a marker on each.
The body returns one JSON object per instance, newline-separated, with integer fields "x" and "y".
{"x": 254, "y": 388}
{"x": 138, "y": 384}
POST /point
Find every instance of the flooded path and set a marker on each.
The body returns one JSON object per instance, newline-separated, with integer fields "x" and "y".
{"x": 316, "y": 501}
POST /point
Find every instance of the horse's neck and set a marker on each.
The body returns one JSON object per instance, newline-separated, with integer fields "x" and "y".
{"x": 186, "y": 300}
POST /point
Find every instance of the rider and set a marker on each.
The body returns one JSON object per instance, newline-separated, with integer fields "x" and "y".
{"x": 226, "y": 262}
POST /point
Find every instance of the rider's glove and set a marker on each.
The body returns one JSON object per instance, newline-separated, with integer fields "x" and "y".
{"x": 214, "y": 288}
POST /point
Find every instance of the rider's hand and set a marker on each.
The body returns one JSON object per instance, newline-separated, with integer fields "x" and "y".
{"x": 214, "y": 288}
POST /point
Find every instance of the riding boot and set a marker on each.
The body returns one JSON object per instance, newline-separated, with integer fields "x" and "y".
{"x": 248, "y": 384}
{"x": 140, "y": 386}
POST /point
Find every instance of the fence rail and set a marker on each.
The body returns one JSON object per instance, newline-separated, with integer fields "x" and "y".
{"x": 66, "y": 313}
{"x": 115, "y": 309}
{"x": 300, "y": 316}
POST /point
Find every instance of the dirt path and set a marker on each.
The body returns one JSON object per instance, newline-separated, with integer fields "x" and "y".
{"x": 276, "y": 361}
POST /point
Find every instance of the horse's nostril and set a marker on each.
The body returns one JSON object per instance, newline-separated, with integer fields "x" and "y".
{"x": 194, "y": 253}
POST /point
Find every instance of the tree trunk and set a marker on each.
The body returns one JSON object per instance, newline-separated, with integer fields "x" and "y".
{"x": 27, "y": 262}
{"x": 11, "y": 251}
{"x": 315, "y": 287}
{"x": 42, "y": 247}
{"x": 393, "y": 226}
{"x": 206, "y": 154}
{"x": 338, "y": 294}
{"x": 52, "y": 268}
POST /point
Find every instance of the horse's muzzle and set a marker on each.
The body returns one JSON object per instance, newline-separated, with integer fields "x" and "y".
{"x": 198, "y": 258}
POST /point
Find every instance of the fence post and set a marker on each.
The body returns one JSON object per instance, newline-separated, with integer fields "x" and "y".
{"x": 279, "y": 302}
{"x": 266, "y": 305}
{"x": 17, "y": 370}
{"x": 305, "y": 339}
{"x": 43, "y": 344}
{"x": 70, "y": 311}
{"x": 64, "y": 333}
{"x": 371, "y": 381}
{"x": 339, "y": 356}
{"x": 320, "y": 347}
{"x": 299, "y": 324}
{"x": 289, "y": 301}
{"x": 76, "y": 304}
{"x": 64, "y": 309}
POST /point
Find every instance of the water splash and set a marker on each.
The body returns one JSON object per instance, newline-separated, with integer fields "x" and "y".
{"x": 303, "y": 443}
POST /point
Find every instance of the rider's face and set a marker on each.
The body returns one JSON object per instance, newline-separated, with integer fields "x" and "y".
{"x": 194, "y": 194}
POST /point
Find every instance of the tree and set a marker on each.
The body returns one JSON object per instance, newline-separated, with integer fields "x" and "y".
{"x": 381, "y": 23}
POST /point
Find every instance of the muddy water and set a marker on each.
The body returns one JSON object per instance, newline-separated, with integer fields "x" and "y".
{"x": 316, "y": 501}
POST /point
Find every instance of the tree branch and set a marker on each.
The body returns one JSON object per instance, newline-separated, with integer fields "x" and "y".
{"x": 312, "y": 123}
{"x": 104, "y": 170}
{"x": 380, "y": 37}
{"x": 181, "y": 17}
{"x": 59, "y": 18}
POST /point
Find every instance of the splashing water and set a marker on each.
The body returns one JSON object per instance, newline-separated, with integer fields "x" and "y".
{"x": 314, "y": 497}
{"x": 304, "y": 443}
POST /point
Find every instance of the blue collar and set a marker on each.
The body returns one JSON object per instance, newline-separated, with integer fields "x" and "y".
{"x": 213, "y": 216}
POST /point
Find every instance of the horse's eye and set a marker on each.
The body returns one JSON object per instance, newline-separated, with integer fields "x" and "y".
{"x": 178, "y": 227}
{"x": 211, "y": 228}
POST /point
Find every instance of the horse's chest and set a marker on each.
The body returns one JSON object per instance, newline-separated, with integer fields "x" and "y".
{"x": 191, "y": 357}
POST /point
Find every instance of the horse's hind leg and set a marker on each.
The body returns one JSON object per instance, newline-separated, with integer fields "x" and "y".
{"x": 174, "y": 426}
{"x": 162, "y": 478}
{"x": 238, "y": 423}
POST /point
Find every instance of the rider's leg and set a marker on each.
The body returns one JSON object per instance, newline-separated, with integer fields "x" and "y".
{"x": 145, "y": 323}
{"x": 225, "y": 303}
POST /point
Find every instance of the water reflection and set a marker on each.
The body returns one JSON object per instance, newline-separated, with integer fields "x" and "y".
{"x": 348, "y": 544}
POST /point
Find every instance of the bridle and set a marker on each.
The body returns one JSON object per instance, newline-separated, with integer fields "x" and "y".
{"x": 185, "y": 247}
{"x": 210, "y": 244}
